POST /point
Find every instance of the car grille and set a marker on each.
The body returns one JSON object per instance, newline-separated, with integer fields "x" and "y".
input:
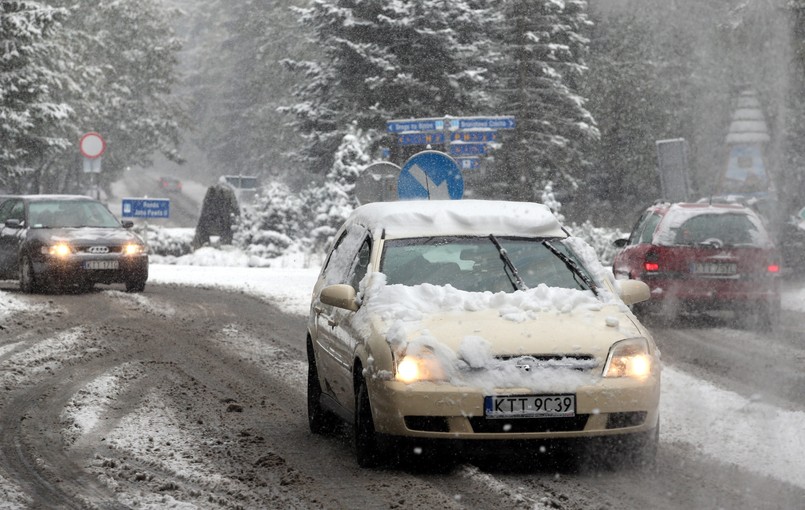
{"x": 523, "y": 425}
{"x": 98, "y": 250}
{"x": 530, "y": 362}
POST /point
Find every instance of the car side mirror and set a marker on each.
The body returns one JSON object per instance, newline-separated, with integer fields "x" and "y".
{"x": 620, "y": 243}
{"x": 340, "y": 296}
{"x": 634, "y": 291}
{"x": 127, "y": 223}
{"x": 13, "y": 223}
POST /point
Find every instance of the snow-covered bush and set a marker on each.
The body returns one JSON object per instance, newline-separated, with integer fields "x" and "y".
{"x": 600, "y": 238}
{"x": 271, "y": 226}
{"x": 173, "y": 242}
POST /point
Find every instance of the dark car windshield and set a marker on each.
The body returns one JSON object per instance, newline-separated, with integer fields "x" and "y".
{"x": 474, "y": 263}
{"x": 70, "y": 214}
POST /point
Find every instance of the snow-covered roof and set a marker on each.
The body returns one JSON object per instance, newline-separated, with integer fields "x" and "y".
{"x": 418, "y": 218}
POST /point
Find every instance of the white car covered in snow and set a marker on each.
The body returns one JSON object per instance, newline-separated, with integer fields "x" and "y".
{"x": 475, "y": 324}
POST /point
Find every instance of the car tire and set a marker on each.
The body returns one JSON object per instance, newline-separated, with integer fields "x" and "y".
{"x": 28, "y": 279}
{"x": 319, "y": 419}
{"x": 367, "y": 452}
{"x": 136, "y": 285}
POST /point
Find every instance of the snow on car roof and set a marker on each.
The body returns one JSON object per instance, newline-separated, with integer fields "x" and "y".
{"x": 420, "y": 218}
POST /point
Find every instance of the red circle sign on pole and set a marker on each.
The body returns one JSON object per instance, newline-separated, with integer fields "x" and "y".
{"x": 92, "y": 146}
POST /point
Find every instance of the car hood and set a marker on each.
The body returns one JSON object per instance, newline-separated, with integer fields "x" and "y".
{"x": 87, "y": 236}
{"x": 515, "y": 333}
{"x": 475, "y": 336}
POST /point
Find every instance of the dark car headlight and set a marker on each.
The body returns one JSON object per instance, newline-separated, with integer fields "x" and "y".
{"x": 57, "y": 250}
{"x": 133, "y": 249}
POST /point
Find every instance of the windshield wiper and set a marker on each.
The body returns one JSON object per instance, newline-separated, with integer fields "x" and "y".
{"x": 514, "y": 276}
{"x": 572, "y": 265}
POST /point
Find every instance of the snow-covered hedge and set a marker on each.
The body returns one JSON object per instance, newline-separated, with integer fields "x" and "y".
{"x": 173, "y": 242}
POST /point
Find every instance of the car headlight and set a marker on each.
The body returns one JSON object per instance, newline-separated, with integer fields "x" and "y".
{"x": 629, "y": 358}
{"x": 57, "y": 250}
{"x": 133, "y": 249}
{"x": 419, "y": 368}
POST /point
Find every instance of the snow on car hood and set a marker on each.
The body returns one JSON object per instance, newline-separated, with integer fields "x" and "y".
{"x": 478, "y": 336}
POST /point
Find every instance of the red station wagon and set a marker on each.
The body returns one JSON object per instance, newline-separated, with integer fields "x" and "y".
{"x": 701, "y": 257}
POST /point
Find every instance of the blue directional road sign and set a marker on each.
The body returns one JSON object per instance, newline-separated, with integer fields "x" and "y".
{"x": 502, "y": 122}
{"x": 421, "y": 138}
{"x": 474, "y": 136}
{"x": 430, "y": 175}
{"x": 414, "y": 125}
{"x": 469, "y": 163}
{"x": 146, "y": 208}
{"x": 467, "y": 149}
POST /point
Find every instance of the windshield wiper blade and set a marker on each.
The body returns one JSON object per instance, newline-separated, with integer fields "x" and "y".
{"x": 514, "y": 276}
{"x": 572, "y": 265}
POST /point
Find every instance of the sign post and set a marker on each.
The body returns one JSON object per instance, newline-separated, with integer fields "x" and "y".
{"x": 92, "y": 146}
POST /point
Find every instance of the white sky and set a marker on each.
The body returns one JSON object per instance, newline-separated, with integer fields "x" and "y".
{"x": 720, "y": 425}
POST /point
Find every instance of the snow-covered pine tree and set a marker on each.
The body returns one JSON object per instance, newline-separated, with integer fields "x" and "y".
{"x": 332, "y": 201}
{"x": 543, "y": 48}
{"x": 387, "y": 59}
{"x": 121, "y": 71}
{"x": 29, "y": 87}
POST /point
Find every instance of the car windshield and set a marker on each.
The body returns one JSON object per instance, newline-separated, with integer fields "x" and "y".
{"x": 722, "y": 229}
{"x": 475, "y": 264}
{"x": 70, "y": 214}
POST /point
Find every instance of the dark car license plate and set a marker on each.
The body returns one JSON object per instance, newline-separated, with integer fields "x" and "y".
{"x": 100, "y": 264}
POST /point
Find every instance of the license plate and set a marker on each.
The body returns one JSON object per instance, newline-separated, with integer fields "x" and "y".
{"x": 714, "y": 268}
{"x": 100, "y": 264}
{"x": 530, "y": 406}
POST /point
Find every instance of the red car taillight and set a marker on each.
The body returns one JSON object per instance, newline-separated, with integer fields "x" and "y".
{"x": 773, "y": 268}
{"x": 651, "y": 266}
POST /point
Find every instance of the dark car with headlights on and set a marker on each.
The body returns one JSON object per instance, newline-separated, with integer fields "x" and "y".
{"x": 61, "y": 241}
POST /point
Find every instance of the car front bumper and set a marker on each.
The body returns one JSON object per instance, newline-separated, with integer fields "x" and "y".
{"x": 443, "y": 411}
{"x": 74, "y": 269}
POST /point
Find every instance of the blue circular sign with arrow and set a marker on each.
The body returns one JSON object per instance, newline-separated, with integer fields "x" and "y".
{"x": 430, "y": 175}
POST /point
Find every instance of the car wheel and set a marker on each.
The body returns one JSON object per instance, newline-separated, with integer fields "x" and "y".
{"x": 28, "y": 281}
{"x": 319, "y": 419}
{"x": 136, "y": 285}
{"x": 366, "y": 448}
